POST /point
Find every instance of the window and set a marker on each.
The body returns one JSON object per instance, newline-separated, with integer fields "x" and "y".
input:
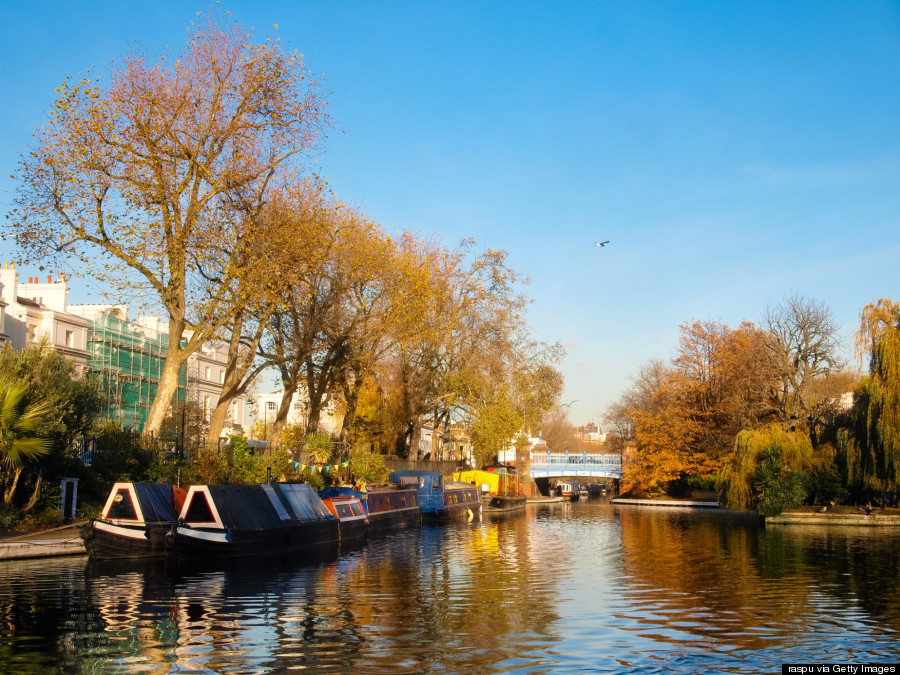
{"x": 70, "y": 338}
{"x": 206, "y": 406}
{"x": 222, "y": 375}
{"x": 32, "y": 332}
{"x": 270, "y": 405}
{"x": 208, "y": 373}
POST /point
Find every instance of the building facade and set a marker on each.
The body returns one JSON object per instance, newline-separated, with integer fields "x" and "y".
{"x": 128, "y": 357}
{"x": 31, "y": 310}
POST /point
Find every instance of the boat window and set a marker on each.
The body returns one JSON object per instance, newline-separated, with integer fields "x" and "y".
{"x": 436, "y": 483}
{"x": 343, "y": 510}
{"x": 122, "y": 507}
{"x": 198, "y": 510}
{"x": 356, "y": 509}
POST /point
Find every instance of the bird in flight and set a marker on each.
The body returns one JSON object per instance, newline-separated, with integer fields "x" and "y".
{"x": 601, "y": 243}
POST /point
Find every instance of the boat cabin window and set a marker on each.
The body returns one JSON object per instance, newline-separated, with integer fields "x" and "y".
{"x": 436, "y": 483}
{"x": 343, "y": 510}
{"x": 122, "y": 508}
{"x": 356, "y": 508}
{"x": 199, "y": 511}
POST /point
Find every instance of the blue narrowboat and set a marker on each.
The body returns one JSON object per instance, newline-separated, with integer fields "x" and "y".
{"x": 439, "y": 498}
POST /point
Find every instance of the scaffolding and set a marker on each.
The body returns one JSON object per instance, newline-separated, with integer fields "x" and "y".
{"x": 128, "y": 359}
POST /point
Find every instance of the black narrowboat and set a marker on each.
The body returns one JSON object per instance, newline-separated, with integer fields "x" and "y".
{"x": 134, "y": 522}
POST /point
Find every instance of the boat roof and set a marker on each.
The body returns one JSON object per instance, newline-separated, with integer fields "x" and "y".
{"x": 413, "y": 472}
{"x": 154, "y": 501}
{"x": 256, "y": 507}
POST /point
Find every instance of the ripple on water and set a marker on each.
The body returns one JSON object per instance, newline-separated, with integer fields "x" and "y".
{"x": 574, "y": 588}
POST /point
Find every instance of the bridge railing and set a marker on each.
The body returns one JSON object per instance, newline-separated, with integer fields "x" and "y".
{"x": 584, "y": 464}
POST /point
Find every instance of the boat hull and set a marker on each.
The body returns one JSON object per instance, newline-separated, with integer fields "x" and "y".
{"x": 190, "y": 543}
{"x": 395, "y": 519}
{"x": 505, "y": 504}
{"x": 108, "y": 541}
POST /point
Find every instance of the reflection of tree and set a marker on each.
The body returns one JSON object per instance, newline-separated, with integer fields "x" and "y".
{"x": 713, "y": 575}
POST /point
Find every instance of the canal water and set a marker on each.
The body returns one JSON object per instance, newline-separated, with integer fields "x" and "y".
{"x": 561, "y": 588}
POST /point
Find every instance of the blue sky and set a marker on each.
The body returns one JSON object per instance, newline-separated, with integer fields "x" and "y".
{"x": 731, "y": 152}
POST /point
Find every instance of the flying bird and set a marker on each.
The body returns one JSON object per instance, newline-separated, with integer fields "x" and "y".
{"x": 601, "y": 243}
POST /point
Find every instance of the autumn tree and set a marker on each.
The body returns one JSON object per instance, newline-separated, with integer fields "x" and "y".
{"x": 467, "y": 343}
{"x": 129, "y": 170}
{"x": 315, "y": 334}
{"x": 275, "y": 254}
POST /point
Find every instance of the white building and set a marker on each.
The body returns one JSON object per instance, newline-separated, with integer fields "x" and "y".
{"x": 36, "y": 308}
{"x": 265, "y": 409}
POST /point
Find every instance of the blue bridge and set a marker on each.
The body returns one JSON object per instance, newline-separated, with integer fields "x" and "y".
{"x": 560, "y": 464}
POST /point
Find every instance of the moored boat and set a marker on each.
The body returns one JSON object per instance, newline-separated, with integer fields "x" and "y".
{"x": 389, "y": 507}
{"x": 251, "y": 520}
{"x": 502, "y": 494}
{"x": 568, "y": 490}
{"x": 134, "y": 522}
{"x": 440, "y": 499}
{"x": 353, "y": 522}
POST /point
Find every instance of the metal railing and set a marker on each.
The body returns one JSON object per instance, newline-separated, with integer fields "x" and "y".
{"x": 603, "y": 464}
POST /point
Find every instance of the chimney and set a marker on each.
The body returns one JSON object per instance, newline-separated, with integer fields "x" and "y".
{"x": 49, "y": 278}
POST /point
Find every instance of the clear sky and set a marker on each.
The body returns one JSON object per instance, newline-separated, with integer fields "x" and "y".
{"x": 731, "y": 152}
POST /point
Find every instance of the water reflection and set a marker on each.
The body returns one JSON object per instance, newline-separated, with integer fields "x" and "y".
{"x": 559, "y": 588}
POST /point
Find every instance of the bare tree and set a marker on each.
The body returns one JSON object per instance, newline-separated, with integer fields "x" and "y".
{"x": 801, "y": 346}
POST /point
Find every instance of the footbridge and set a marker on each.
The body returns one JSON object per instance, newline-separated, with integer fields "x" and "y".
{"x": 562, "y": 464}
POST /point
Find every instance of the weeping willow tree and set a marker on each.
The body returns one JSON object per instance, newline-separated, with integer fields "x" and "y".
{"x": 766, "y": 469}
{"x": 871, "y": 443}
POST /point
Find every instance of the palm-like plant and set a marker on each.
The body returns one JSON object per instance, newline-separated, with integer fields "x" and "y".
{"x": 19, "y": 422}
{"x": 318, "y": 447}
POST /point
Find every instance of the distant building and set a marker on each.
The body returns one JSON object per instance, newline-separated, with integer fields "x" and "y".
{"x": 265, "y": 410}
{"x": 36, "y": 308}
{"x": 591, "y": 433}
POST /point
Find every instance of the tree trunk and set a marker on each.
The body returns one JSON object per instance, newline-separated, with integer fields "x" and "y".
{"x": 168, "y": 386}
{"x": 11, "y": 490}
{"x": 236, "y": 380}
{"x": 351, "y": 400}
{"x": 284, "y": 409}
{"x": 34, "y": 495}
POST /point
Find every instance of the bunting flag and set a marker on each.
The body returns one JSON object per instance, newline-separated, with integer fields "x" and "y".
{"x": 324, "y": 468}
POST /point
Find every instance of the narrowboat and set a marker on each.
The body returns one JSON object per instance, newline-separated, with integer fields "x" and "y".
{"x": 501, "y": 492}
{"x": 389, "y": 507}
{"x": 227, "y": 521}
{"x": 353, "y": 522}
{"x": 134, "y": 522}
{"x": 568, "y": 490}
{"x": 440, "y": 499}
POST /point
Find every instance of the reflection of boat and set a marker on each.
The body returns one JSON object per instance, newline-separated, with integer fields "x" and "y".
{"x": 389, "y": 507}
{"x": 503, "y": 493}
{"x": 440, "y": 499}
{"x": 251, "y": 520}
{"x": 134, "y": 522}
